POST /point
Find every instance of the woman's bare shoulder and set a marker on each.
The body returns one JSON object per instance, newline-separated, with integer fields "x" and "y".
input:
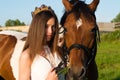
{"x": 25, "y": 56}
{"x": 24, "y": 65}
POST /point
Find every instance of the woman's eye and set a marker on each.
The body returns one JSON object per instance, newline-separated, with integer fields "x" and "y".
{"x": 53, "y": 27}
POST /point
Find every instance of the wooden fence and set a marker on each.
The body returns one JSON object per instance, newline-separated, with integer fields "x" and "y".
{"x": 103, "y": 27}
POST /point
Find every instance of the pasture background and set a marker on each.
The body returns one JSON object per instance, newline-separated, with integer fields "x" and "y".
{"x": 108, "y": 56}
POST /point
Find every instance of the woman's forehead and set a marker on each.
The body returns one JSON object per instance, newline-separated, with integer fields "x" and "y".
{"x": 51, "y": 21}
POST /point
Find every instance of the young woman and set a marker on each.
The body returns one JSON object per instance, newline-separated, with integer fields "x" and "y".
{"x": 37, "y": 60}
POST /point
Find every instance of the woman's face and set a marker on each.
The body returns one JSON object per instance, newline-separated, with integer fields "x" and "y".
{"x": 50, "y": 27}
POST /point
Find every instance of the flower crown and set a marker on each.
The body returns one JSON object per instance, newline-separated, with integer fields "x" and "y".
{"x": 41, "y": 9}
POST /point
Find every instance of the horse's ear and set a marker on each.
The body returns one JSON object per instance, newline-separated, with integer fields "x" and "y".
{"x": 93, "y": 5}
{"x": 67, "y": 5}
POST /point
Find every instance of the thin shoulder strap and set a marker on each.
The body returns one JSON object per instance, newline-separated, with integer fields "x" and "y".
{"x": 49, "y": 56}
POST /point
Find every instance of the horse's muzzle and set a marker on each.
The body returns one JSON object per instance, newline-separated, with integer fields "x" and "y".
{"x": 76, "y": 74}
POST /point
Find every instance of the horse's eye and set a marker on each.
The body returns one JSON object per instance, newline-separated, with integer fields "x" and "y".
{"x": 93, "y": 30}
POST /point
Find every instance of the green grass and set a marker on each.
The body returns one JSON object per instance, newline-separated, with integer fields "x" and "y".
{"x": 108, "y": 57}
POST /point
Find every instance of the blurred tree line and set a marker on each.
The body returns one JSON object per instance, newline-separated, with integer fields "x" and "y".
{"x": 117, "y": 18}
{"x": 16, "y": 22}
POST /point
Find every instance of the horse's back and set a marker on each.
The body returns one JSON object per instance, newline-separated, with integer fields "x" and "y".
{"x": 7, "y": 44}
{"x": 18, "y": 35}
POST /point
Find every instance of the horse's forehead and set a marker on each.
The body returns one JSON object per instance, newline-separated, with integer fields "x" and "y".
{"x": 72, "y": 22}
{"x": 86, "y": 23}
{"x": 79, "y": 23}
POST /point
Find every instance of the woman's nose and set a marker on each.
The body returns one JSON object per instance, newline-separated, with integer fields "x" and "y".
{"x": 50, "y": 30}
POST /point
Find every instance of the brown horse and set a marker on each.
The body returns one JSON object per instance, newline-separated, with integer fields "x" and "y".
{"x": 7, "y": 44}
{"x": 80, "y": 42}
{"x": 8, "y": 40}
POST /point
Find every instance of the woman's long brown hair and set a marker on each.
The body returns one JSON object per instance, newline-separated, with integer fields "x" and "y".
{"x": 36, "y": 35}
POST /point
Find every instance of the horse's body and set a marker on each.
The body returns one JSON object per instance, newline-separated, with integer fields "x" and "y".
{"x": 80, "y": 39}
{"x": 7, "y": 44}
{"x": 8, "y": 40}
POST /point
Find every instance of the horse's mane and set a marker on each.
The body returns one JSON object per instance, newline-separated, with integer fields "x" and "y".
{"x": 78, "y": 7}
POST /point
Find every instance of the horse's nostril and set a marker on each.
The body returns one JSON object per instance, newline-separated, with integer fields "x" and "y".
{"x": 83, "y": 71}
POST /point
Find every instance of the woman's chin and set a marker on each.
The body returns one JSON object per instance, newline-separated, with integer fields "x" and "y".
{"x": 48, "y": 39}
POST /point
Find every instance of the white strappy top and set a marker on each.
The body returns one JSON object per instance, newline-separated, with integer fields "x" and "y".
{"x": 41, "y": 66}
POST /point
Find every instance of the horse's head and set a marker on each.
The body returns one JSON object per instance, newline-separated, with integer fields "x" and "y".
{"x": 80, "y": 36}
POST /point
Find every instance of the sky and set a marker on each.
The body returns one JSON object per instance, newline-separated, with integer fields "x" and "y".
{"x": 21, "y": 9}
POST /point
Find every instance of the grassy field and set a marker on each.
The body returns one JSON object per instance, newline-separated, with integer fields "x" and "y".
{"x": 108, "y": 56}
